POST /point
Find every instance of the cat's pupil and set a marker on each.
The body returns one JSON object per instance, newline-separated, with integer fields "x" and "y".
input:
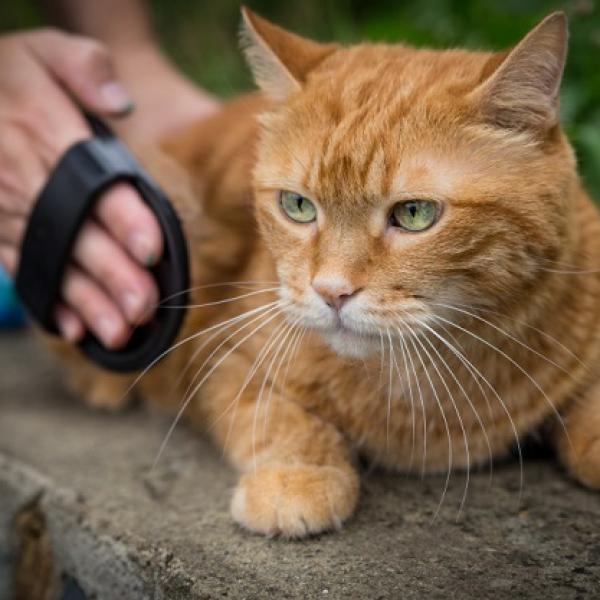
{"x": 415, "y": 215}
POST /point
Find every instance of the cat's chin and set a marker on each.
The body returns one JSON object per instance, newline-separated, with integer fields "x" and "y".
{"x": 350, "y": 344}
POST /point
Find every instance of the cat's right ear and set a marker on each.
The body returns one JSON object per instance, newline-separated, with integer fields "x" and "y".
{"x": 522, "y": 92}
{"x": 280, "y": 60}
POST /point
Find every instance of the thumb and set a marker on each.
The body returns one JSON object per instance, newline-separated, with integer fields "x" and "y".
{"x": 84, "y": 67}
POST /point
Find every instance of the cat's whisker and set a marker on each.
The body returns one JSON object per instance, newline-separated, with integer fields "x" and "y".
{"x": 520, "y": 368}
{"x": 506, "y": 333}
{"x": 180, "y": 343}
{"x": 421, "y": 401}
{"x": 560, "y": 263}
{"x": 473, "y": 370}
{"x": 463, "y": 392}
{"x": 410, "y": 395}
{"x": 528, "y": 326}
{"x": 289, "y": 327}
{"x": 233, "y": 405}
{"x": 457, "y": 381}
{"x": 389, "y": 395}
{"x": 451, "y": 336}
{"x": 404, "y": 351}
{"x": 226, "y": 325}
{"x": 412, "y": 339}
{"x": 234, "y": 299}
{"x": 281, "y": 333}
{"x": 197, "y": 387}
{"x": 381, "y": 357}
{"x": 394, "y": 362}
{"x": 571, "y": 272}
{"x": 566, "y": 268}
{"x": 297, "y": 345}
{"x": 240, "y": 284}
{"x": 456, "y": 411}
{"x": 273, "y": 307}
{"x": 459, "y": 347}
{"x": 290, "y": 348}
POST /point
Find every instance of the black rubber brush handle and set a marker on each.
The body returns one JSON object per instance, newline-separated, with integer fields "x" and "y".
{"x": 85, "y": 170}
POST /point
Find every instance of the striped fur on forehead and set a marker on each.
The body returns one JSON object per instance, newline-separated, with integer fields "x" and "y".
{"x": 350, "y": 130}
{"x": 459, "y": 162}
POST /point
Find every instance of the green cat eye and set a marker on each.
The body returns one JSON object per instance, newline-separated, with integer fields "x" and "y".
{"x": 414, "y": 215}
{"x": 297, "y": 207}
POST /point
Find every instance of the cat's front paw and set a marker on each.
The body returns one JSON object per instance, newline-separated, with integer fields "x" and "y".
{"x": 582, "y": 458}
{"x": 295, "y": 500}
{"x": 106, "y": 391}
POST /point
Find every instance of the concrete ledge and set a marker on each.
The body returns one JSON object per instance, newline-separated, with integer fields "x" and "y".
{"x": 121, "y": 533}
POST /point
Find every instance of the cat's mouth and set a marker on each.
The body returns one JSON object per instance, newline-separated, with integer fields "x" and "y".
{"x": 348, "y": 341}
{"x": 348, "y": 328}
{"x": 342, "y": 329}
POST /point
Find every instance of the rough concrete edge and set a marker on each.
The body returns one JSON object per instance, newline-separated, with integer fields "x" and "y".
{"x": 105, "y": 566}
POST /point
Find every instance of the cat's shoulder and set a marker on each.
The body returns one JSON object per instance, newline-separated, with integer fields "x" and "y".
{"x": 233, "y": 124}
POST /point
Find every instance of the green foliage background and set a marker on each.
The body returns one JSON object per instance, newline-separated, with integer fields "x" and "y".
{"x": 201, "y": 37}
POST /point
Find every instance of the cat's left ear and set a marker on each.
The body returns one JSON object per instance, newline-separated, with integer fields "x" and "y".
{"x": 280, "y": 60}
{"x": 522, "y": 92}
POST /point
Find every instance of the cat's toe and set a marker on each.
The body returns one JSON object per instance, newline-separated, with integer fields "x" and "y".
{"x": 100, "y": 390}
{"x": 583, "y": 461}
{"x": 295, "y": 501}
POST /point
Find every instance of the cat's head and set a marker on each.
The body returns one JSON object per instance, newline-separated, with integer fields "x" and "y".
{"x": 392, "y": 182}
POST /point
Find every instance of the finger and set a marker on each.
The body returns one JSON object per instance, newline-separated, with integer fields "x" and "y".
{"x": 130, "y": 286}
{"x": 12, "y": 230}
{"x": 8, "y": 258}
{"x": 99, "y": 313}
{"x": 85, "y": 68}
{"x": 131, "y": 222}
{"x": 22, "y": 170}
{"x": 71, "y": 327}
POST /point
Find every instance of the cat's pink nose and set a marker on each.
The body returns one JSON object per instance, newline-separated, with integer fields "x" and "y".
{"x": 334, "y": 290}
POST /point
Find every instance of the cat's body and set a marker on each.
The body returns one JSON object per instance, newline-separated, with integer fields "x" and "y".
{"x": 499, "y": 294}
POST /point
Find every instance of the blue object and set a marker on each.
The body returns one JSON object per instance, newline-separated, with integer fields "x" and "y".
{"x": 11, "y": 313}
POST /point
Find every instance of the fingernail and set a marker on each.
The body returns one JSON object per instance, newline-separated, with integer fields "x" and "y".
{"x": 142, "y": 248}
{"x": 108, "y": 330}
{"x": 134, "y": 305}
{"x": 116, "y": 97}
{"x": 68, "y": 328}
{"x": 149, "y": 308}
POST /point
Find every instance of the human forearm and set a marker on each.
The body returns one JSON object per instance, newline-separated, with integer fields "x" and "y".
{"x": 165, "y": 99}
{"x": 96, "y": 19}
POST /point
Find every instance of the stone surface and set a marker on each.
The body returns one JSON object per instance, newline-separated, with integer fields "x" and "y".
{"x": 123, "y": 532}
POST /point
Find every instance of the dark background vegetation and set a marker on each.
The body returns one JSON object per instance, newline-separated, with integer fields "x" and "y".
{"x": 201, "y": 36}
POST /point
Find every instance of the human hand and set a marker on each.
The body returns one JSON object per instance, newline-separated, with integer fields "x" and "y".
{"x": 44, "y": 76}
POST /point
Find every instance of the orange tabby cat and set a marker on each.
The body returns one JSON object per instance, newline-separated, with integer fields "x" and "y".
{"x": 419, "y": 256}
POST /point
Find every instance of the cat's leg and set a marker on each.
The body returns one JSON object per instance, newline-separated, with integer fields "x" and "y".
{"x": 299, "y": 477}
{"x": 97, "y": 387}
{"x": 578, "y": 443}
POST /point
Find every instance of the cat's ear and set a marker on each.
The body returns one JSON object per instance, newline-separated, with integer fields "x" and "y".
{"x": 522, "y": 92}
{"x": 280, "y": 60}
